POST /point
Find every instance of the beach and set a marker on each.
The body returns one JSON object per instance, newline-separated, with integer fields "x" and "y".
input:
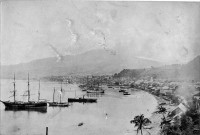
{"x": 156, "y": 118}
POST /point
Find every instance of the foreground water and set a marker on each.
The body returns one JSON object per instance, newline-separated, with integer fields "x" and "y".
{"x": 111, "y": 114}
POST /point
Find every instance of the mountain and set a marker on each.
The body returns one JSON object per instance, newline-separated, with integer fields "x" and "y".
{"x": 192, "y": 69}
{"x": 95, "y": 62}
{"x": 189, "y": 71}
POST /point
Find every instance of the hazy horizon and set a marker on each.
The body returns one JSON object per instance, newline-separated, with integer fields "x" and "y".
{"x": 95, "y": 50}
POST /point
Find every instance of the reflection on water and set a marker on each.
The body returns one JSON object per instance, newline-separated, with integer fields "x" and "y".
{"x": 94, "y": 94}
{"x": 42, "y": 110}
{"x": 111, "y": 114}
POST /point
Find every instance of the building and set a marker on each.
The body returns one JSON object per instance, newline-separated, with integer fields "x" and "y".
{"x": 178, "y": 111}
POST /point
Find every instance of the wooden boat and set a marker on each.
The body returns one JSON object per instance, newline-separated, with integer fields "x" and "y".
{"x": 58, "y": 104}
{"x": 126, "y": 93}
{"x": 84, "y": 89}
{"x": 122, "y": 90}
{"x": 19, "y": 105}
{"x": 95, "y": 91}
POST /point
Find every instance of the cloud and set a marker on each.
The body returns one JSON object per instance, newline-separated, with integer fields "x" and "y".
{"x": 58, "y": 54}
{"x": 74, "y": 35}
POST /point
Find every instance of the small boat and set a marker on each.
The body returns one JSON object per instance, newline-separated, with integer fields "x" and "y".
{"x": 122, "y": 90}
{"x": 84, "y": 89}
{"x": 126, "y": 93}
{"x": 58, "y": 104}
{"x": 20, "y": 105}
{"x": 95, "y": 91}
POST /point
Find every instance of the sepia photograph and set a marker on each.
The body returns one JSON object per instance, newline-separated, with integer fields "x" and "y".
{"x": 99, "y": 67}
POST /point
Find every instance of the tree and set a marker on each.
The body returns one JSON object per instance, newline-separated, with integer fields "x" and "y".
{"x": 165, "y": 122}
{"x": 186, "y": 125}
{"x": 167, "y": 128}
{"x": 141, "y": 123}
{"x": 161, "y": 110}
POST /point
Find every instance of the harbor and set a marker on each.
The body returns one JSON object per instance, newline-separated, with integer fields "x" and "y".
{"x": 81, "y": 67}
{"x": 103, "y": 116}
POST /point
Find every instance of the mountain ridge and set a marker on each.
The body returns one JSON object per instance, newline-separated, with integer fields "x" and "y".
{"x": 92, "y": 62}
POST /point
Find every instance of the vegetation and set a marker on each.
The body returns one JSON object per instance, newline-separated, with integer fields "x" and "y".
{"x": 141, "y": 123}
{"x": 172, "y": 72}
{"x": 187, "y": 124}
{"x": 132, "y": 73}
{"x": 161, "y": 110}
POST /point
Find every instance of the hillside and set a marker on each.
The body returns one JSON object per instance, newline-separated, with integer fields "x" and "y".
{"x": 192, "y": 69}
{"x": 189, "y": 71}
{"x": 92, "y": 62}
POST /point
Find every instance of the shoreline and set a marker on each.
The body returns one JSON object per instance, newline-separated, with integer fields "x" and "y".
{"x": 156, "y": 118}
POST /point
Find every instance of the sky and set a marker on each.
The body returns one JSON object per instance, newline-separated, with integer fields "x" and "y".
{"x": 167, "y": 32}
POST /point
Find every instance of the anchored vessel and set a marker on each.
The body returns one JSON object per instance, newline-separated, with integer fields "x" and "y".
{"x": 20, "y": 105}
{"x": 122, "y": 90}
{"x": 95, "y": 90}
{"x": 82, "y": 100}
{"x": 58, "y": 104}
{"x": 126, "y": 93}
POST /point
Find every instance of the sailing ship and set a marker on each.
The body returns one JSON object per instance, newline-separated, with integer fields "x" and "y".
{"x": 58, "y": 104}
{"x": 20, "y": 105}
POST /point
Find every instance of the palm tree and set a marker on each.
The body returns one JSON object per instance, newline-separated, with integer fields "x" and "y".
{"x": 165, "y": 122}
{"x": 141, "y": 122}
{"x": 161, "y": 110}
{"x": 167, "y": 128}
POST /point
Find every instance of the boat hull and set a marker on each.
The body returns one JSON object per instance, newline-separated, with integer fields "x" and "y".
{"x": 125, "y": 93}
{"x": 55, "y": 104}
{"x": 82, "y": 100}
{"x": 24, "y": 105}
{"x": 122, "y": 91}
{"x": 93, "y": 91}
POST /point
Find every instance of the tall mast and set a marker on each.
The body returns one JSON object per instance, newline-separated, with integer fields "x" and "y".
{"x": 60, "y": 98}
{"x": 14, "y": 91}
{"x": 61, "y": 92}
{"x": 61, "y": 87}
{"x": 28, "y": 89}
{"x": 53, "y": 93}
{"x": 75, "y": 92}
{"x": 39, "y": 91}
